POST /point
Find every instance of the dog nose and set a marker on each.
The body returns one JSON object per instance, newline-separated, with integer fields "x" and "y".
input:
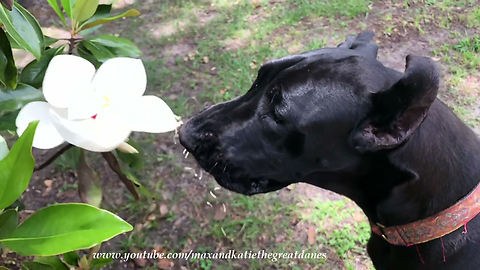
{"x": 194, "y": 139}
{"x": 186, "y": 138}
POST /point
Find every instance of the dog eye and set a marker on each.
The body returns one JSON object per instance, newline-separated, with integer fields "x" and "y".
{"x": 276, "y": 116}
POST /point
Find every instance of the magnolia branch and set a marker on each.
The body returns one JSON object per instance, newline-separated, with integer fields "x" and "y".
{"x": 115, "y": 166}
{"x": 53, "y": 158}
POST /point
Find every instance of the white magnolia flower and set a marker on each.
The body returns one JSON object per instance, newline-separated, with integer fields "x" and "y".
{"x": 94, "y": 110}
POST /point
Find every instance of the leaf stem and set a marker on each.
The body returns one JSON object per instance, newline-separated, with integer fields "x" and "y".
{"x": 53, "y": 158}
{"x": 115, "y": 166}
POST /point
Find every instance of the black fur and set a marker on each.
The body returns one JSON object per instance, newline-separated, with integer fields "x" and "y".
{"x": 338, "y": 119}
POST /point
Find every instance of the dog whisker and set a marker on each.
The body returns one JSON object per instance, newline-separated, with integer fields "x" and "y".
{"x": 216, "y": 188}
{"x": 213, "y": 195}
{"x": 209, "y": 204}
{"x": 184, "y": 151}
{"x": 225, "y": 168}
{"x": 215, "y": 165}
{"x": 186, "y": 155}
{"x": 201, "y": 175}
{"x": 224, "y": 207}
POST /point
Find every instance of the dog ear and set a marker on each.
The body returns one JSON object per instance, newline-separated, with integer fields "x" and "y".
{"x": 361, "y": 43}
{"x": 397, "y": 112}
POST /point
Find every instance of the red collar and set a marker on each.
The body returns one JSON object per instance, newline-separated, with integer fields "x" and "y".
{"x": 428, "y": 229}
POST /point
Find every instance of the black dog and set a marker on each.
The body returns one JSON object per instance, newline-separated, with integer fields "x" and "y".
{"x": 340, "y": 120}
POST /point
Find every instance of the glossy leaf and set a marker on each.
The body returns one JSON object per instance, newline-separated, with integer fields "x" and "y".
{"x": 23, "y": 28}
{"x": 3, "y": 148}
{"x": 86, "y": 54}
{"x": 61, "y": 228}
{"x": 129, "y": 13}
{"x": 89, "y": 187}
{"x": 8, "y": 222}
{"x": 134, "y": 161}
{"x": 12, "y": 100}
{"x": 48, "y": 41}
{"x": 36, "y": 266}
{"x": 34, "y": 72}
{"x": 34, "y": 23}
{"x": 8, "y": 70}
{"x": 58, "y": 10}
{"x": 84, "y": 9}
{"x": 16, "y": 205}
{"x": 102, "y": 12}
{"x": 68, "y": 6}
{"x": 17, "y": 167}
{"x": 101, "y": 262}
{"x": 71, "y": 258}
{"x": 100, "y": 52}
{"x": 54, "y": 262}
{"x": 7, "y": 121}
{"x": 8, "y": 4}
{"x": 120, "y": 47}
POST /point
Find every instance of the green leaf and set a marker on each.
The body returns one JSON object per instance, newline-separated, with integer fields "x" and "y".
{"x": 3, "y": 148}
{"x": 62, "y": 228}
{"x": 54, "y": 262}
{"x": 134, "y": 161}
{"x": 23, "y": 28}
{"x": 71, "y": 258}
{"x": 84, "y": 9}
{"x": 101, "y": 262}
{"x": 68, "y": 6}
{"x": 17, "y": 167}
{"x": 8, "y": 223}
{"x": 12, "y": 100}
{"x": 8, "y": 70}
{"x": 129, "y": 13}
{"x": 100, "y": 52}
{"x": 34, "y": 72}
{"x": 58, "y": 10}
{"x": 8, "y": 4}
{"x": 16, "y": 205}
{"x": 86, "y": 54}
{"x": 36, "y": 266}
{"x": 7, "y": 121}
{"x": 3, "y": 268}
{"x": 102, "y": 12}
{"x": 49, "y": 41}
{"x": 34, "y": 23}
{"x": 120, "y": 47}
{"x": 89, "y": 187}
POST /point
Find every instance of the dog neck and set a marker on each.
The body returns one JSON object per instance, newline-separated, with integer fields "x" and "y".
{"x": 438, "y": 166}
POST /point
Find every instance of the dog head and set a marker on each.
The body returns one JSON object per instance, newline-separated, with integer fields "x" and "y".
{"x": 320, "y": 111}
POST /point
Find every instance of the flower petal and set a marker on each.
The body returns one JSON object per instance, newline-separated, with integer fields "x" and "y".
{"x": 102, "y": 134}
{"x": 66, "y": 76}
{"x": 87, "y": 104}
{"x": 127, "y": 148}
{"x": 152, "y": 114}
{"x": 46, "y": 135}
{"x": 121, "y": 78}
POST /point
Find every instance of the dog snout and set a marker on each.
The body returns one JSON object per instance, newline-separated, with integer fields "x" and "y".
{"x": 194, "y": 139}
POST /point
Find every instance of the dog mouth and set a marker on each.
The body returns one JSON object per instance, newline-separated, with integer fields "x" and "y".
{"x": 234, "y": 178}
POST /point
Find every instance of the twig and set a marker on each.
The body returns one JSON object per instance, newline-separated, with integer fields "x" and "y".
{"x": 71, "y": 45}
{"x": 53, "y": 158}
{"x": 115, "y": 166}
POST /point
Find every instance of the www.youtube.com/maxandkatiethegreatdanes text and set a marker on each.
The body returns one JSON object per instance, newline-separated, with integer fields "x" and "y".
{"x": 230, "y": 255}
